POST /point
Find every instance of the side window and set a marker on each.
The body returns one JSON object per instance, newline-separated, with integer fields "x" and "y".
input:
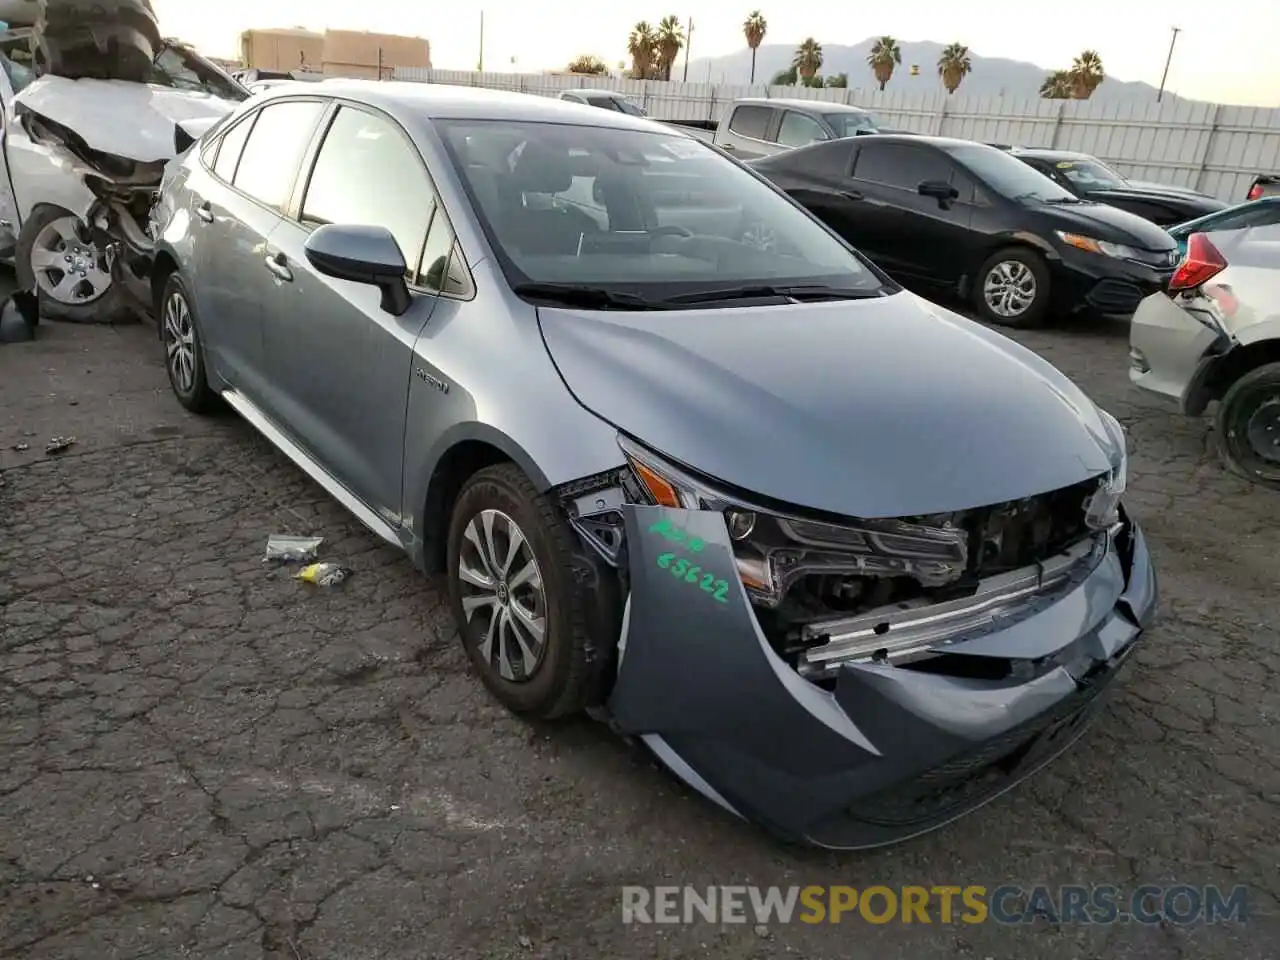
{"x": 443, "y": 269}
{"x": 797, "y": 130}
{"x": 270, "y": 160}
{"x": 750, "y": 121}
{"x": 368, "y": 173}
{"x": 229, "y": 147}
{"x": 606, "y": 103}
{"x": 898, "y": 165}
{"x": 829, "y": 160}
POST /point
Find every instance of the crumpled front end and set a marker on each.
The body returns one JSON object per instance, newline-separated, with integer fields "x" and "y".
{"x": 99, "y": 149}
{"x": 854, "y": 683}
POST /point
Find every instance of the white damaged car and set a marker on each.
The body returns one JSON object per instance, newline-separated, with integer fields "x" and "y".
{"x": 82, "y": 156}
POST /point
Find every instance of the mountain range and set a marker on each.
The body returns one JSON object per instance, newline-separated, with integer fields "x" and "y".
{"x": 991, "y": 76}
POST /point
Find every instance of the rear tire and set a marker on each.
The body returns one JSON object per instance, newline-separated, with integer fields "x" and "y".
{"x": 183, "y": 350}
{"x": 1011, "y": 289}
{"x": 503, "y": 595}
{"x": 1248, "y": 426}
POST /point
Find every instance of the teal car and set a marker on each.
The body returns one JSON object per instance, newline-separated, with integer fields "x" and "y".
{"x": 1263, "y": 212}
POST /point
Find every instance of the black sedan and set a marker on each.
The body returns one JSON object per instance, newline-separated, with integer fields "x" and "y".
{"x": 1091, "y": 179}
{"x": 970, "y": 218}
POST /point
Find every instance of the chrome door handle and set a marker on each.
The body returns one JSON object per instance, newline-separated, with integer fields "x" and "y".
{"x": 275, "y": 263}
{"x": 205, "y": 212}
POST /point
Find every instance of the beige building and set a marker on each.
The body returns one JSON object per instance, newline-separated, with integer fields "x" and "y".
{"x": 338, "y": 53}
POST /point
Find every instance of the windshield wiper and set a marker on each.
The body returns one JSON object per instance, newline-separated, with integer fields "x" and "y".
{"x": 802, "y": 292}
{"x": 580, "y": 295}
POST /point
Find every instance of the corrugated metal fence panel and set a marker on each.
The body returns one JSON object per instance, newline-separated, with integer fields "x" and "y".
{"x": 1216, "y": 149}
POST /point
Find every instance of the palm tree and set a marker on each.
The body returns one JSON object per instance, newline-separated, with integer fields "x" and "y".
{"x": 884, "y": 56}
{"x": 785, "y": 78}
{"x": 1086, "y": 74}
{"x": 754, "y": 27}
{"x": 839, "y": 80}
{"x": 808, "y": 59}
{"x": 1057, "y": 86}
{"x": 642, "y": 45}
{"x": 954, "y": 65}
{"x": 669, "y": 41}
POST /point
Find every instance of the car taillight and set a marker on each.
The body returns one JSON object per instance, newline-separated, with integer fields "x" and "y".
{"x": 1203, "y": 262}
{"x": 1255, "y": 192}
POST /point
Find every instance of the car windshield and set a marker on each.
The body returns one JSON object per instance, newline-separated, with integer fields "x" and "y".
{"x": 639, "y": 212}
{"x": 179, "y": 68}
{"x": 848, "y": 124}
{"x": 1090, "y": 174}
{"x": 1009, "y": 176}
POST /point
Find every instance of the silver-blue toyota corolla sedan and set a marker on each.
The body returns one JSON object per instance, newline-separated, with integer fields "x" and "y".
{"x": 849, "y": 564}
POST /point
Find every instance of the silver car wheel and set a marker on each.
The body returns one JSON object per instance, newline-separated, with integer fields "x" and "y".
{"x": 503, "y": 597}
{"x": 67, "y": 268}
{"x": 179, "y": 342}
{"x": 1009, "y": 288}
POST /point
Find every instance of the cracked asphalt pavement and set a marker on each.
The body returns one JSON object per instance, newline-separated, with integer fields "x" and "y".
{"x": 203, "y": 758}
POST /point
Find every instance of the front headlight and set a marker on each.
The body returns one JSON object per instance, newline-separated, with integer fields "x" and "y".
{"x": 1104, "y": 247}
{"x": 772, "y": 551}
{"x": 1102, "y": 511}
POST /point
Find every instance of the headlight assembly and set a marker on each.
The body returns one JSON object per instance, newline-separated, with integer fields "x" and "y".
{"x": 1102, "y": 511}
{"x": 772, "y": 551}
{"x": 1104, "y": 247}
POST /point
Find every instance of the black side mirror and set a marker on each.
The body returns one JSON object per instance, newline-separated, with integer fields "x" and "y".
{"x": 940, "y": 190}
{"x": 362, "y": 255}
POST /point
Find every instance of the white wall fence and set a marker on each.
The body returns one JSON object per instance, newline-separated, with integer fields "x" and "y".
{"x": 1209, "y": 147}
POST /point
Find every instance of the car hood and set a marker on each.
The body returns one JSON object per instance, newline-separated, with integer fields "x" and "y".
{"x": 1103, "y": 222}
{"x": 871, "y": 408}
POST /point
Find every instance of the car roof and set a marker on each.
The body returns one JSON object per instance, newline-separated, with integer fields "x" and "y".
{"x": 596, "y": 92}
{"x": 440, "y": 101}
{"x": 1045, "y": 153}
{"x": 914, "y": 139}
{"x": 825, "y": 106}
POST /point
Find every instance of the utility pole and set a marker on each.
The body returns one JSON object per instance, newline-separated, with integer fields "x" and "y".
{"x": 1168, "y": 60}
{"x": 379, "y": 63}
{"x": 480, "y": 65}
{"x": 688, "y": 42}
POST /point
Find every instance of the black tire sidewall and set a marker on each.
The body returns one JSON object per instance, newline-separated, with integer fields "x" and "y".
{"x": 1243, "y": 398}
{"x": 199, "y": 397}
{"x": 493, "y": 489}
{"x": 1035, "y": 314}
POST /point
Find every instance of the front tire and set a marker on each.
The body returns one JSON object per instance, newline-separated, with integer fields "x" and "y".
{"x": 1012, "y": 288}
{"x": 183, "y": 351}
{"x": 519, "y": 610}
{"x": 57, "y": 260}
{"x": 1248, "y": 426}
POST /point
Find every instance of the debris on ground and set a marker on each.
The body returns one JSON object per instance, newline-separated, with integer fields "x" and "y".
{"x": 322, "y": 574}
{"x": 59, "y": 444}
{"x": 287, "y": 549}
{"x": 22, "y": 447}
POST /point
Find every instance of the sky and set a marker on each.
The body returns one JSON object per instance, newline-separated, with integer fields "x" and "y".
{"x": 1225, "y": 53}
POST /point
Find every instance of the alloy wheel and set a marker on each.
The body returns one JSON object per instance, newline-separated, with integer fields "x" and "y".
{"x": 503, "y": 596}
{"x": 179, "y": 342}
{"x": 1009, "y": 288}
{"x": 67, "y": 268}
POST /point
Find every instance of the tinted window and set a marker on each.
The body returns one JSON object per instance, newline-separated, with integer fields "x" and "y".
{"x": 797, "y": 130}
{"x": 606, "y": 103}
{"x": 1007, "y": 175}
{"x": 828, "y": 160}
{"x": 645, "y": 211}
{"x": 229, "y": 152}
{"x": 750, "y": 121}
{"x": 271, "y": 158}
{"x": 899, "y": 165}
{"x": 368, "y": 173}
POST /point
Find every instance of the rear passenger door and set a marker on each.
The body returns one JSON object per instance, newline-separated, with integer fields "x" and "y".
{"x": 248, "y": 177}
{"x": 344, "y": 364}
{"x": 746, "y": 130}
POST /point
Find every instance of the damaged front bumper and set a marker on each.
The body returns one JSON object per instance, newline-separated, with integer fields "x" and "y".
{"x": 866, "y": 750}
